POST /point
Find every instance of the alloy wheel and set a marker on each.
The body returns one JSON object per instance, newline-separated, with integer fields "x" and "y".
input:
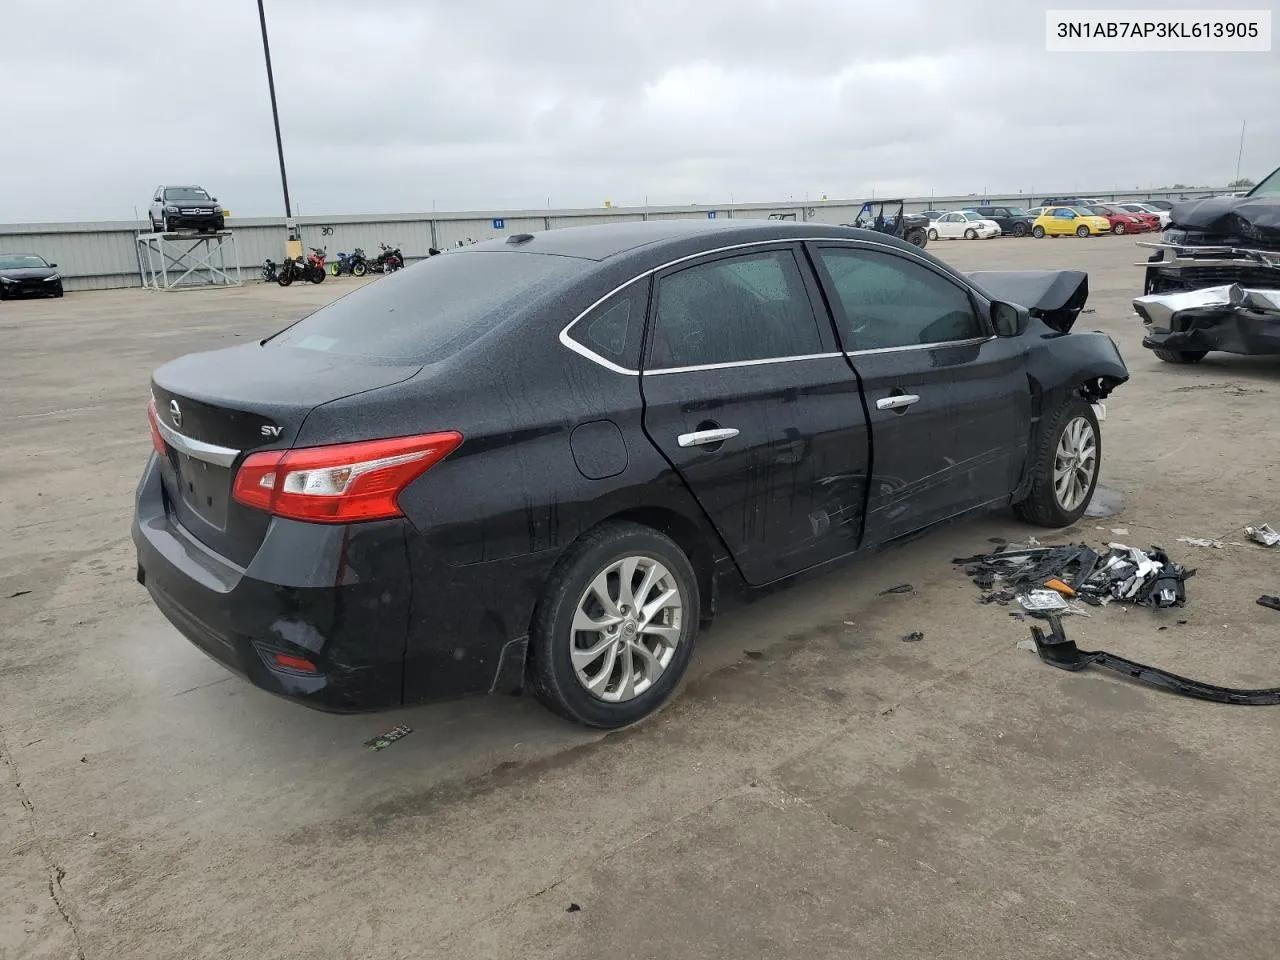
{"x": 626, "y": 628}
{"x": 1074, "y": 463}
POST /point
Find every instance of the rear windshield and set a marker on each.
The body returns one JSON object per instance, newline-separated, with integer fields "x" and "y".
{"x": 432, "y": 309}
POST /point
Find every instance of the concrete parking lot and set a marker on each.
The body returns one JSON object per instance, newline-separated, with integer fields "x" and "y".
{"x": 818, "y": 788}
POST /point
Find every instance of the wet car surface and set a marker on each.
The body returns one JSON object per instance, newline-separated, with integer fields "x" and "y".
{"x": 438, "y": 487}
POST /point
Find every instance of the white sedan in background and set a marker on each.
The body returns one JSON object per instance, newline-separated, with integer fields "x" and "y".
{"x": 963, "y": 223}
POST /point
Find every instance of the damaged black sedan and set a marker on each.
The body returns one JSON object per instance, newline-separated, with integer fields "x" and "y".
{"x": 1214, "y": 281}
{"x": 541, "y": 463}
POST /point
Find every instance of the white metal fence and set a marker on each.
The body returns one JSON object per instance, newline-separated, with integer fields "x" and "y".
{"x": 104, "y": 255}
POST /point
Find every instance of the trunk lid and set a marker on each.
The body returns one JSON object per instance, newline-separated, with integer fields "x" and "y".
{"x": 216, "y": 408}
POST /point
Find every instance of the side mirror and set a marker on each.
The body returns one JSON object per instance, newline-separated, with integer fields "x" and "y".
{"x": 1009, "y": 319}
{"x": 53, "y": 264}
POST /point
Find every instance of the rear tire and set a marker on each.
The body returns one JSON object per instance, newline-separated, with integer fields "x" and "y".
{"x": 1065, "y": 471}
{"x": 1019, "y": 229}
{"x": 1038, "y": 232}
{"x": 1181, "y": 356}
{"x": 360, "y": 269}
{"x": 603, "y": 556}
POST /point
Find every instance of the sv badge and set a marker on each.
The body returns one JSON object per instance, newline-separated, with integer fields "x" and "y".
{"x": 268, "y": 430}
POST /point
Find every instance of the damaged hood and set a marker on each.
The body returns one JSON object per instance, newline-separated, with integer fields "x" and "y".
{"x": 1055, "y": 297}
{"x": 1228, "y": 220}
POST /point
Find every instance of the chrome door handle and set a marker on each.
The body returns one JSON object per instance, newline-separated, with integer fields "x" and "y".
{"x": 896, "y": 402}
{"x": 699, "y": 437}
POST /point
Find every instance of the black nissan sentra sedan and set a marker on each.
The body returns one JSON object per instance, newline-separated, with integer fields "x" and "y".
{"x": 540, "y": 462}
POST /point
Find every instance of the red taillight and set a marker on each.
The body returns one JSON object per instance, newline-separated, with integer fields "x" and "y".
{"x": 342, "y": 483}
{"x": 157, "y": 440}
{"x": 294, "y": 663}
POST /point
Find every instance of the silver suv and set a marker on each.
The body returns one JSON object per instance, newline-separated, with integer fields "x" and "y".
{"x": 185, "y": 208}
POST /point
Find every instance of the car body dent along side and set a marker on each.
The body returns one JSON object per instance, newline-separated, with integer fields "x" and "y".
{"x": 445, "y": 595}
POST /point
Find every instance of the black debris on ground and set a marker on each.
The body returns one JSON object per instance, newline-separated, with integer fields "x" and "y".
{"x": 913, "y": 636}
{"x": 753, "y": 654}
{"x": 1002, "y": 597}
{"x": 900, "y": 588}
{"x": 572, "y": 908}
{"x": 382, "y": 741}
{"x": 19, "y": 593}
{"x": 1141, "y": 577}
{"x": 1268, "y": 601}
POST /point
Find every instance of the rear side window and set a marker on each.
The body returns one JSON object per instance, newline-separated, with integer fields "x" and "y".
{"x": 434, "y": 308}
{"x": 752, "y": 307}
{"x": 615, "y": 328}
{"x": 889, "y": 301}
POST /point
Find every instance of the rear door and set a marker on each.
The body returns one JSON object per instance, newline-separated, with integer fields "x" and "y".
{"x": 949, "y": 402}
{"x": 749, "y": 399}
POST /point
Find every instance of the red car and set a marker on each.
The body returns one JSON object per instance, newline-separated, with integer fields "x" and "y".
{"x": 1122, "y": 221}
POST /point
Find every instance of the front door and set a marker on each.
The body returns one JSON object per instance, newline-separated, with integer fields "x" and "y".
{"x": 948, "y": 401}
{"x": 748, "y": 398}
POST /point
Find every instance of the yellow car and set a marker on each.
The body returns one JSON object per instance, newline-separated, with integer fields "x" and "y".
{"x": 1068, "y": 221}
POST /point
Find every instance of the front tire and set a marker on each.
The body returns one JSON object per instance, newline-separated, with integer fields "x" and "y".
{"x": 1119, "y": 228}
{"x": 933, "y": 234}
{"x": 613, "y": 632}
{"x": 971, "y": 234}
{"x": 1066, "y": 466}
{"x": 1038, "y": 232}
{"x": 1082, "y": 231}
{"x": 1181, "y": 356}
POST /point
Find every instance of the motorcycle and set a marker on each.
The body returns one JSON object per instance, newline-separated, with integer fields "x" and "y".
{"x": 353, "y": 263}
{"x": 388, "y": 261}
{"x": 311, "y": 268}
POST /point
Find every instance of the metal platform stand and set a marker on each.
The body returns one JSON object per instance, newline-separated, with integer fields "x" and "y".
{"x": 183, "y": 261}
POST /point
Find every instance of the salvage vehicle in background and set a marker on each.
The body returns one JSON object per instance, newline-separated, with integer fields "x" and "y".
{"x": 28, "y": 275}
{"x": 395, "y": 499}
{"x": 1213, "y": 282}
{"x": 1145, "y": 210}
{"x": 185, "y": 208}
{"x": 1013, "y": 221}
{"x": 1121, "y": 221}
{"x": 963, "y": 223}
{"x": 889, "y": 216}
{"x": 1069, "y": 221}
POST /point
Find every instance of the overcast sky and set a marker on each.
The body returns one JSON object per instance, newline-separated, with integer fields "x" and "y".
{"x": 410, "y": 105}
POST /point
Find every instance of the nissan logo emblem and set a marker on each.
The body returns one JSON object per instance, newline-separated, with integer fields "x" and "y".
{"x": 175, "y": 413}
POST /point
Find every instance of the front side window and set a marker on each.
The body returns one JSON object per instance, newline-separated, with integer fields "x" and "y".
{"x": 752, "y": 307}
{"x": 889, "y": 301}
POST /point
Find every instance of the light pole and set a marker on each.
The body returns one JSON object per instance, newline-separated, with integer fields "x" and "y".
{"x": 275, "y": 117}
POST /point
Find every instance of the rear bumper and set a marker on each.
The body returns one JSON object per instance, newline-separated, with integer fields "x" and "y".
{"x": 337, "y": 600}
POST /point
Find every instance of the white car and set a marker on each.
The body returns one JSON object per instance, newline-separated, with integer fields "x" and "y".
{"x": 1133, "y": 206}
{"x": 963, "y": 223}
